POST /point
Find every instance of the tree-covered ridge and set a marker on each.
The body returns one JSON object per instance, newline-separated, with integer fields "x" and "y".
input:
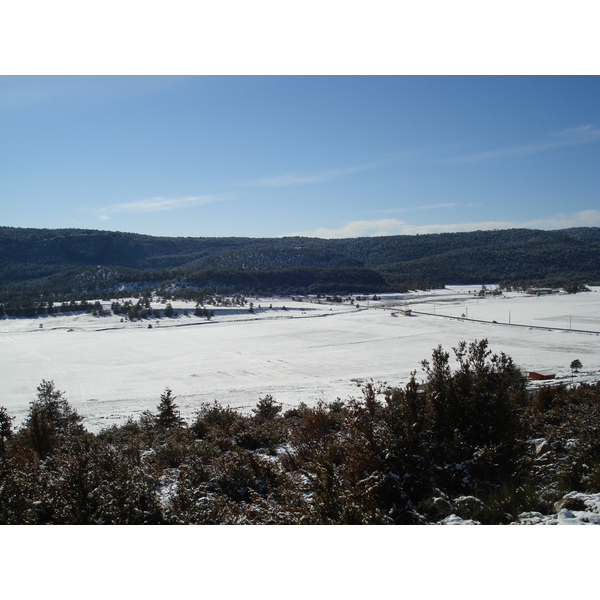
{"x": 469, "y": 442}
{"x": 74, "y": 259}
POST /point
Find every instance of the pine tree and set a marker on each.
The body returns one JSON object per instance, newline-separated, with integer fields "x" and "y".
{"x": 50, "y": 418}
{"x": 5, "y": 428}
{"x": 168, "y": 413}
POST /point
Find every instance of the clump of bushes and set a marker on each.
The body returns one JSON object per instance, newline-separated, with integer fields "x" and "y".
{"x": 468, "y": 441}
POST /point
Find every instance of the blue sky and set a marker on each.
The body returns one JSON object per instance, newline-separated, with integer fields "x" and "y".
{"x": 327, "y": 156}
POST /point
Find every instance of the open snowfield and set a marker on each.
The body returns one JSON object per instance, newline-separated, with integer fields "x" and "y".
{"x": 110, "y": 369}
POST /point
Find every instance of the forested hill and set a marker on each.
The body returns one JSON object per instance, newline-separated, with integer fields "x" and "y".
{"x": 90, "y": 259}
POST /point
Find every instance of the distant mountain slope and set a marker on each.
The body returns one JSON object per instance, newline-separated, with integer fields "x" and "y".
{"x": 69, "y": 257}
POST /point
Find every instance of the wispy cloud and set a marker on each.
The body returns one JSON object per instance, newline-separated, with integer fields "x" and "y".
{"x": 25, "y": 91}
{"x": 358, "y": 229}
{"x": 584, "y": 218}
{"x": 290, "y": 179}
{"x": 414, "y": 208}
{"x": 583, "y": 133}
{"x": 155, "y": 204}
{"x": 559, "y": 139}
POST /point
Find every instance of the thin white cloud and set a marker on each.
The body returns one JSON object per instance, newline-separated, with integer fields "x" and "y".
{"x": 584, "y": 218}
{"x": 358, "y": 229}
{"x": 566, "y": 137}
{"x": 378, "y": 227}
{"x": 413, "y": 208}
{"x": 22, "y": 92}
{"x": 155, "y": 204}
{"x": 290, "y": 179}
{"x": 583, "y": 133}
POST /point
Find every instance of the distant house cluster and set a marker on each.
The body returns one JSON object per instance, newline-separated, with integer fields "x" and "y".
{"x": 542, "y": 291}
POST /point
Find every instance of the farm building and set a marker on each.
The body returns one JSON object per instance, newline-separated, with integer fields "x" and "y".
{"x": 541, "y": 375}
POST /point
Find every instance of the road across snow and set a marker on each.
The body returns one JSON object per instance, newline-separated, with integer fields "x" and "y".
{"x": 110, "y": 369}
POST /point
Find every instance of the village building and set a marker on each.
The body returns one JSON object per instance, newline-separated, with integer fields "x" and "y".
{"x": 541, "y": 375}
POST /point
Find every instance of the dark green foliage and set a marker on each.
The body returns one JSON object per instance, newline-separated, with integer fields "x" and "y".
{"x": 215, "y": 415}
{"x": 570, "y": 420}
{"x": 39, "y": 267}
{"x": 480, "y": 402}
{"x": 267, "y": 408}
{"x": 6, "y": 431}
{"x": 84, "y": 481}
{"x": 168, "y": 412}
{"x": 56, "y": 472}
{"x": 50, "y": 419}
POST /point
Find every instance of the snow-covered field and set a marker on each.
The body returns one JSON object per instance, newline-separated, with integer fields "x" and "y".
{"x": 308, "y": 352}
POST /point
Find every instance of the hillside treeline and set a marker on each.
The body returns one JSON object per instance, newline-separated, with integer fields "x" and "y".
{"x": 67, "y": 260}
{"x": 470, "y": 441}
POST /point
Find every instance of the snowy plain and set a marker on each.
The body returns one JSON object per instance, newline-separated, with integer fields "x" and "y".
{"x": 308, "y": 351}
